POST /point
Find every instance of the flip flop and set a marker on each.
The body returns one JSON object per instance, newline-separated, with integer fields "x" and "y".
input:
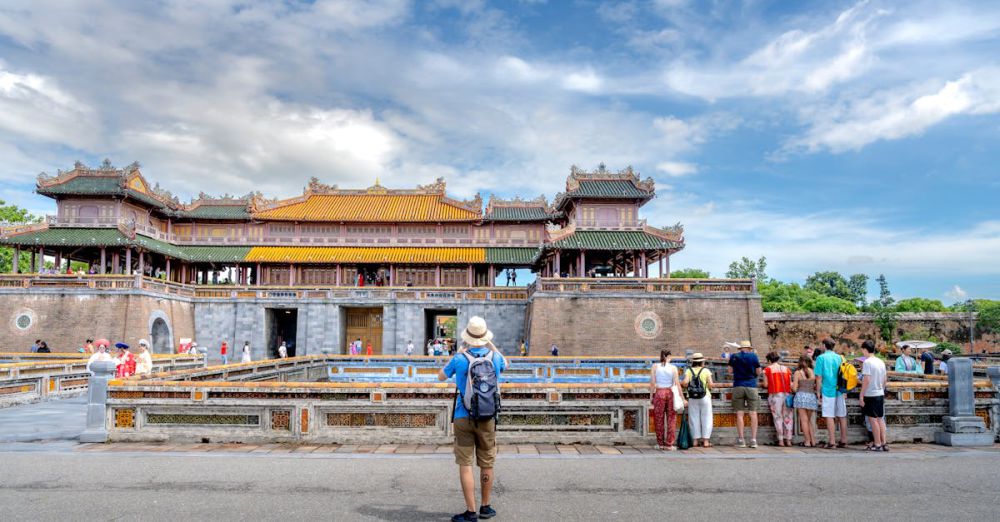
{"x": 841, "y": 445}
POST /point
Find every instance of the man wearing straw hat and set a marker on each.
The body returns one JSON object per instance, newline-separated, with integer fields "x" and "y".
{"x": 474, "y": 436}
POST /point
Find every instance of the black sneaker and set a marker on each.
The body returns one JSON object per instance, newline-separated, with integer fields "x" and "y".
{"x": 468, "y": 516}
{"x": 487, "y": 512}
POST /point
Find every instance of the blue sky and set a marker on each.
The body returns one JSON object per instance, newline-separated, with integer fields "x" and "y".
{"x": 849, "y": 136}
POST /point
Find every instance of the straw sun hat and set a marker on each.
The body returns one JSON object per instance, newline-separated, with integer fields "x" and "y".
{"x": 476, "y": 334}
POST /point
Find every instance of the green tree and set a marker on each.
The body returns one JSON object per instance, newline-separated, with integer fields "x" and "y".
{"x": 886, "y": 317}
{"x": 747, "y": 268}
{"x": 690, "y": 273}
{"x": 777, "y": 296}
{"x": 884, "y": 295}
{"x": 920, "y": 304}
{"x": 830, "y": 283}
{"x": 13, "y": 214}
{"x": 858, "y": 283}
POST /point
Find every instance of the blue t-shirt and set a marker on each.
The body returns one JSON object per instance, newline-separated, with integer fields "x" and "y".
{"x": 828, "y": 367}
{"x": 744, "y": 365}
{"x": 458, "y": 367}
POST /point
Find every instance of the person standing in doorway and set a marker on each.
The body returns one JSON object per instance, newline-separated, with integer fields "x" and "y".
{"x": 513, "y": 276}
{"x": 368, "y": 348}
{"x": 283, "y": 350}
{"x": 224, "y": 352}
{"x": 834, "y": 405}
{"x": 745, "y": 367}
{"x": 508, "y": 277}
{"x": 409, "y": 347}
{"x": 554, "y": 350}
{"x": 475, "y": 436}
{"x": 246, "y": 352}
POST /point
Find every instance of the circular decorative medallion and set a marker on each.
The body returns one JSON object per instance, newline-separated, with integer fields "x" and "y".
{"x": 648, "y": 325}
{"x": 23, "y": 320}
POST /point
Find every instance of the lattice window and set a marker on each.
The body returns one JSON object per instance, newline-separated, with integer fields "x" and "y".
{"x": 209, "y": 419}
{"x": 281, "y": 420}
{"x": 125, "y": 418}
{"x": 389, "y": 420}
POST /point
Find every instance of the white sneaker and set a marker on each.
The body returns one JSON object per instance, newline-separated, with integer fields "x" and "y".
{"x": 740, "y": 443}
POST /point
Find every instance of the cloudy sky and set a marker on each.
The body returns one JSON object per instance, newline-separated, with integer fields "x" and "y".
{"x": 850, "y": 136}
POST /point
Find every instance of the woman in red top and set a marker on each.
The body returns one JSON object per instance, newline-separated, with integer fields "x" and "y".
{"x": 368, "y": 349}
{"x": 778, "y": 381}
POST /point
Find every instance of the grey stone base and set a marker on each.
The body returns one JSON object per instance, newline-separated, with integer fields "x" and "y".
{"x": 963, "y": 439}
{"x": 94, "y": 436}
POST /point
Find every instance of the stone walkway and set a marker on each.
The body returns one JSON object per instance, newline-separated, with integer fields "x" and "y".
{"x": 506, "y": 451}
{"x": 56, "y": 419}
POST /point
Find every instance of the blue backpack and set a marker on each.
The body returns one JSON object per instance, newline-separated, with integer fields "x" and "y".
{"x": 482, "y": 394}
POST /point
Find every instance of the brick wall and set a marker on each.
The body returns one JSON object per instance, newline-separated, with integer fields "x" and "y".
{"x": 65, "y": 320}
{"x": 793, "y": 331}
{"x": 632, "y": 325}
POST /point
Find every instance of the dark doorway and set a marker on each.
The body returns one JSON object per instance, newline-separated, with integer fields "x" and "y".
{"x": 281, "y": 323}
{"x": 440, "y": 325}
{"x": 162, "y": 343}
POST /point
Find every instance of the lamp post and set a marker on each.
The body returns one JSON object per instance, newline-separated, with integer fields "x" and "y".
{"x": 971, "y": 305}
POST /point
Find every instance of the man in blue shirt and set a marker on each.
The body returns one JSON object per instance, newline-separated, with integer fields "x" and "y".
{"x": 833, "y": 401}
{"x": 746, "y": 369}
{"x": 477, "y": 437}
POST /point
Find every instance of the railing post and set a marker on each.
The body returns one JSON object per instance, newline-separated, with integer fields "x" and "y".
{"x": 97, "y": 402}
{"x": 961, "y": 426}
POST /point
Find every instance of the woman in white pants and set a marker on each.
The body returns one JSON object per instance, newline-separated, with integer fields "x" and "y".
{"x": 698, "y": 383}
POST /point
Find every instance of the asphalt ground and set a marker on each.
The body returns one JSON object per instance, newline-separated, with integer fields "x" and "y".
{"x": 58, "y": 482}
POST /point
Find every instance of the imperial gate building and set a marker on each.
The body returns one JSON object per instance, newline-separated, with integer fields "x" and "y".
{"x": 384, "y": 265}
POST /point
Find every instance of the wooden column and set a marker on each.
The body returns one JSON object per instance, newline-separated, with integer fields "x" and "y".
{"x": 645, "y": 267}
{"x": 558, "y": 265}
{"x": 168, "y": 269}
{"x": 104, "y": 260}
{"x": 666, "y": 262}
{"x": 437, "y": 276}
{"x": 258, "y": 276}
{"x": 337, "y": 275}
{"x": 583, "y": 263}
{"x": 142, "y": 263}
{"x": 15, "y": 266}
{"x": 34, "y": 264}
{"x": 128, "y": 261}
{"x": 115, "y": 258}
{"x": 58, "y": 262}
{"x": 492, "y": 273}
{"x": 470, "y": 276}
{"x": 291, "y": 275}
{"x": 661, "y": 266}
{"x": 41, "y": 259}
{"x": 392, "y": 275}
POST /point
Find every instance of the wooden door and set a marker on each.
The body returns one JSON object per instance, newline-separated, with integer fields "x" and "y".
{"x": 366, "y": 324}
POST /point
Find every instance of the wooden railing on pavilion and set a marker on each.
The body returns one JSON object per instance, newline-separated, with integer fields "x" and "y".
{"x": 645, "y": 285}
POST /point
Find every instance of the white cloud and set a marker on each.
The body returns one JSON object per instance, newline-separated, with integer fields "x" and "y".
{"x": 956, "y": 294}
{"x": 900, "y": 113}
{"x": 35, "y": 106}
{"x": 677, "y": 168}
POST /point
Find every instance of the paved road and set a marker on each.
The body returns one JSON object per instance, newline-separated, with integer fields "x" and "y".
{"x": 209, "y": 486}
{"x": 56, "y": 419}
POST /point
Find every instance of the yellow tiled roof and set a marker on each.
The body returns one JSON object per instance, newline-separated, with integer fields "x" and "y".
{"x": 365, "y": 255}
{"x": 370, "y": 208}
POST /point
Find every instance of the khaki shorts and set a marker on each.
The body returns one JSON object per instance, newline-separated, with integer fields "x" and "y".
{"x": 745, "y": 399}
{"x": 480, "y": 437}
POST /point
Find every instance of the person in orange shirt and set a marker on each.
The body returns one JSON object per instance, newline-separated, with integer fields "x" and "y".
{"x": 224, "y": 352}
{"x": 368, "y": 348}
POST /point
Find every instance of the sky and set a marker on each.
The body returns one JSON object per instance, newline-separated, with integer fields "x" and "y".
{"x": 861, "y": 137}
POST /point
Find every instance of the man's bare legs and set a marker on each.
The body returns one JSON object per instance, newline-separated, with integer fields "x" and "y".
{"x": 486, "y": 478}
{"x": 468, "y": 487}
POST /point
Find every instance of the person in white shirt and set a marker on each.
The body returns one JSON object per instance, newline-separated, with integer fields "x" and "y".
{"x": 246, "y": 352}
{"x": 144, "y": 362}
{"x": 100, "y": 355}
{"x": 282, "y": 351}
{"x": 872, "y": 396}
{"x": 409, "y": 348}
{"x": 193, "y": 350}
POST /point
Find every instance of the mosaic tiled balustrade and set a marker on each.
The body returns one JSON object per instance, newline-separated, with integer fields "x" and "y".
{"x": 259, "y": 402}
{"x": 27, "y": 377}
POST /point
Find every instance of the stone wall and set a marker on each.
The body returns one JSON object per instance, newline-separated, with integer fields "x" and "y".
{"x": 793, "y": 331}
{"x": 320, "y": 324}
{"x": 642, "y": 324}
{"x": 65, "y": 319}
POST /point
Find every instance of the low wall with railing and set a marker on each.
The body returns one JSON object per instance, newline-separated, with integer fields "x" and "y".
{"x": 42, "y": 376}
{"x": 164, "y": 407}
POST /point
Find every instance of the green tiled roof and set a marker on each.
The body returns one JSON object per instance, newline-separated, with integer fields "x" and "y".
{"x": 98, "y": 186}
{"x": 98, "y": 237}
{"x": 69, "y": 237}
{"x": 607, "y": 240}
{"x": 235, "y": 212}
{"x": 516, "y": 256}
{"x": 85, "y": 185}
{"x": 610, "y": 189}
{"x": 208, "y": 254}
{"x": 518, "y": 214}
